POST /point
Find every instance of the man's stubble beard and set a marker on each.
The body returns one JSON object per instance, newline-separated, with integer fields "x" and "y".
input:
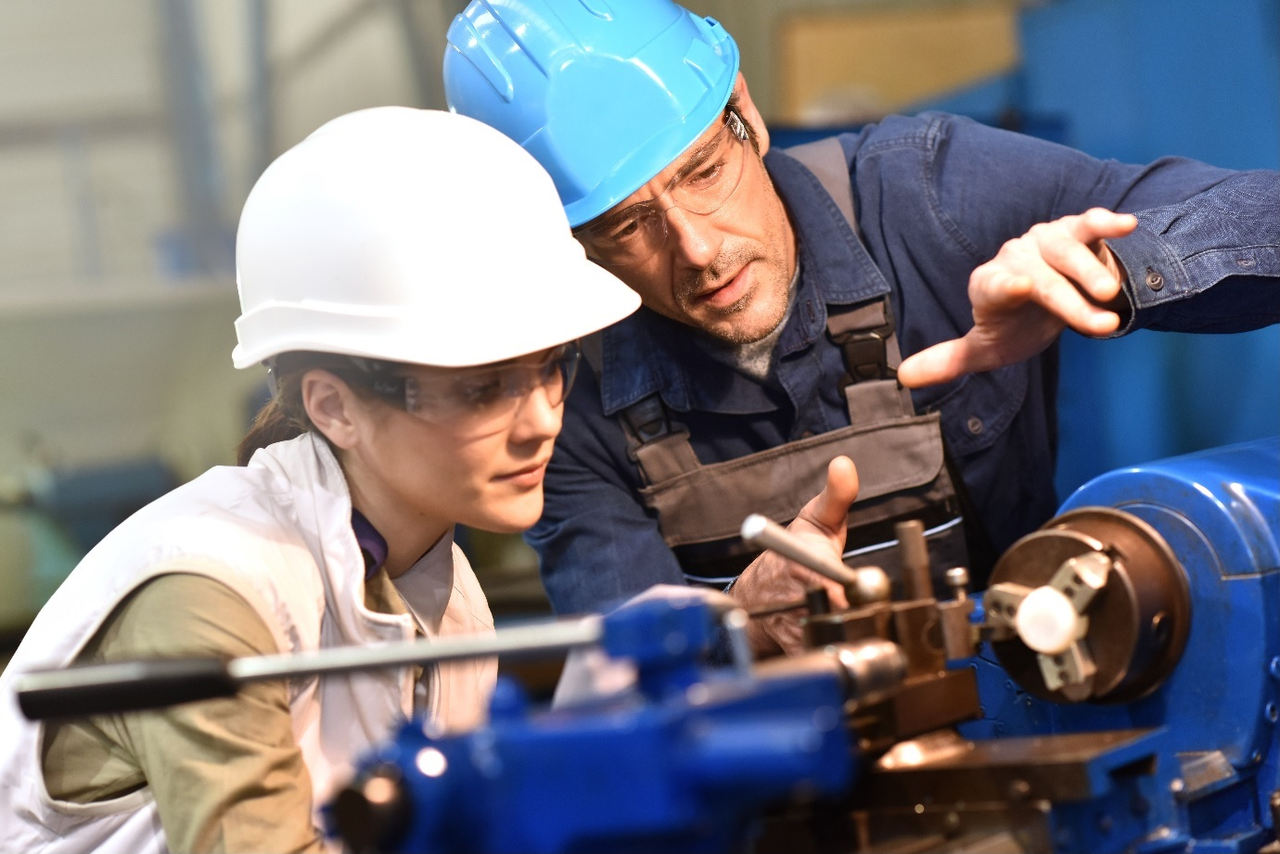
{"x": 734, "y": 335}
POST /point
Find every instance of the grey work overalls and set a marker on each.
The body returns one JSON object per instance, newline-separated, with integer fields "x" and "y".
{"x": 899, "y": 455}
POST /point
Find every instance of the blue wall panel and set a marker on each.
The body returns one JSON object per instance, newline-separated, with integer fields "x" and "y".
{"x": 1134, "y": 80}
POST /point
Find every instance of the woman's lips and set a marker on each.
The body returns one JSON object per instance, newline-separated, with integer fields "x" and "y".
{"x": 529, "y": 476}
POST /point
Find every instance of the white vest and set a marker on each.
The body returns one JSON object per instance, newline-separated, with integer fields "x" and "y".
{"x": 278, "y": 532}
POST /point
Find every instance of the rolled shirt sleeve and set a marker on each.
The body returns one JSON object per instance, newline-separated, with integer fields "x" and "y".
{"x": 226, "y": 774}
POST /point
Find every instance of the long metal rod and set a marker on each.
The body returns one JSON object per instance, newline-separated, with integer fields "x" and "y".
{"x": 534, "y": 639}
{"x": 148, "y": 684}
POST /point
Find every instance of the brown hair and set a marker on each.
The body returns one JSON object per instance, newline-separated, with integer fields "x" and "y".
{"x": 284, "y": 416}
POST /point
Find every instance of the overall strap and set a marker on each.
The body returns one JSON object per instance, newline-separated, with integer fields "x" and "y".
{"x": 864, "y": 333}
{"x": 825, "y": 159}
{"x": 657, "y": 445}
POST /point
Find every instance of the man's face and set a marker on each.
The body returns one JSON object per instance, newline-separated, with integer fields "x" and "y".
{"x": 726, "y": 272}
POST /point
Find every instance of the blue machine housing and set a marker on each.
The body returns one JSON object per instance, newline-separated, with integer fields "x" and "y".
{"x": 683, "y": 764}
{"x": 1209, "y": 728}
{"x": 1184, "y": 758}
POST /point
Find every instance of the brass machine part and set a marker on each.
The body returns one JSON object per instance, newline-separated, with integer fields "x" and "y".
{"x": 1137, "y": 623}
{"x": 928, "y": 632}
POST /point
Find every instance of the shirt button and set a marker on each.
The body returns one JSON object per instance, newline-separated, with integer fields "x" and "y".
{"x": 1155, "y": 281}
{"x": 974, "y": 424}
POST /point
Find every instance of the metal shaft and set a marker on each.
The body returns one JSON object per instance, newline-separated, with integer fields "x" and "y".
{"x": 865, "y": 584}
{"x": 914, "y": 554}
{"x": 148, "y": 684}
{"x": 515, "y": 641}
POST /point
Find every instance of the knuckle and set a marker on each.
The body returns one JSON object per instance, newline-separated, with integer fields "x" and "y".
{"x": 1013, "y": 245}
{"x": 1046, "y": 232}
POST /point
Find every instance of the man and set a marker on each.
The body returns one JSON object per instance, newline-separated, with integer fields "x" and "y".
{"x": 780, "y": 289}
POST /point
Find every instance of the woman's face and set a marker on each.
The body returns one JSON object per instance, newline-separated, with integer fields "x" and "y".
{"x": 416, "y": 475}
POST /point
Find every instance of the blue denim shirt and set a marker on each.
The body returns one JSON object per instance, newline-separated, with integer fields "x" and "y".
{"x": 936, "y": 196}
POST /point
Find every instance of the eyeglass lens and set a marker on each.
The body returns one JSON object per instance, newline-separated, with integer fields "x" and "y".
{"x": 487, "y": 397}
{"x": 702, "y": 186}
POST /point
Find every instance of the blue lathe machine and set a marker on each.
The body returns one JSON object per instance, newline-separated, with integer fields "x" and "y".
{"x": 1115, "y": 688}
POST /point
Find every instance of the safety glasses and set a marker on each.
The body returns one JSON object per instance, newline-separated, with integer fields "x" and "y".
{"x": 706, "y": 180}
{"x": 482, "y": 399}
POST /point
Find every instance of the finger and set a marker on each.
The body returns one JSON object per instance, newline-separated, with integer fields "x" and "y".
{"x": 996, "y": 290}
{"x": 1042, "y": 284}
{"x": 787, "y": 634}
{"x": 836, "y": 595}
{"x": 1083, "y": 264}
{"x": 1062, "y": 298}
{"x": 940, "y": 363}
{"x": 1099, "y": 223}
{"x": 993, "y": 287}
{"x": 805, "y": 580}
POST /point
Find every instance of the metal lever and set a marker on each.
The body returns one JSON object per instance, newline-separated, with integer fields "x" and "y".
{"x": 131, "y": 685}
{"x": 862, "y": 585}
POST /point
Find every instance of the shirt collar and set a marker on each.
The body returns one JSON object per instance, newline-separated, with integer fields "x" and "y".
{"x": 373, "y": 546}
{"x": 646, "y": 353}
{"x": 831, "y": 255}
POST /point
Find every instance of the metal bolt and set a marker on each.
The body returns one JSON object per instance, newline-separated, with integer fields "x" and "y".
{"x": 958, "y": 581}
{"x": 1160, "y": 628}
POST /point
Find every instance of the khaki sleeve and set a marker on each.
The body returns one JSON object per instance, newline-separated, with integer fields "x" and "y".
{"x": 226, "y": 774}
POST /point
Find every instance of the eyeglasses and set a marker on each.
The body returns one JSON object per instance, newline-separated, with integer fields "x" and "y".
{"x": 483, "y": 399}
{"x": 703, "y": 184}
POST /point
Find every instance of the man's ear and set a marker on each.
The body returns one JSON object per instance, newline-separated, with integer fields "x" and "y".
{"x": 751, "y": 115}
{"x": 331, "y": 406}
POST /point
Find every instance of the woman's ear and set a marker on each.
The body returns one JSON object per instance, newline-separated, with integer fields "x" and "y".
{"x": 751, "y": 115}
{"x": 332, "y": 407}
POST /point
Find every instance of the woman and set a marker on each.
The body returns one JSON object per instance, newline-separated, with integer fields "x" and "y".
{"x": 409, "y": 279}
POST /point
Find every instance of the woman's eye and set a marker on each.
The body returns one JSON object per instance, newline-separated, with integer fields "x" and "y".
{"x": 480, "y": 391}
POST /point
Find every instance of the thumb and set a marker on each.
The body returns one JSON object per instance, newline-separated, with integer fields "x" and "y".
{"x": 830, "y": 509}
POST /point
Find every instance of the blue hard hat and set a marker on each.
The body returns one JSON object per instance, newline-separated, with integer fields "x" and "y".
{"x": 604, "y": 93}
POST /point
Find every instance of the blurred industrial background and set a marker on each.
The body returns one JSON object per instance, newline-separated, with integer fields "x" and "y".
{"x": 130, "y": 132}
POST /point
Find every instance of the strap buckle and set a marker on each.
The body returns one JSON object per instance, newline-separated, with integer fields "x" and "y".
{"x": 866, "y": 355}
{"x": 647, "y": 419}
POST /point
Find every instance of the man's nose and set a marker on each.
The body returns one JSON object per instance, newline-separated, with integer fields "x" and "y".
{"x": 695, "y": 237}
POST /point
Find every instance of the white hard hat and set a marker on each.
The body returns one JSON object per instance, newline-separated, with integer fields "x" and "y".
{"x": 415, "y": 236}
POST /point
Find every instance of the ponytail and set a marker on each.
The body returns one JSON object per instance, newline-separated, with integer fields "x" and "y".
{"x": 272, "y": 424}
{"x": 284, "y": 416}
